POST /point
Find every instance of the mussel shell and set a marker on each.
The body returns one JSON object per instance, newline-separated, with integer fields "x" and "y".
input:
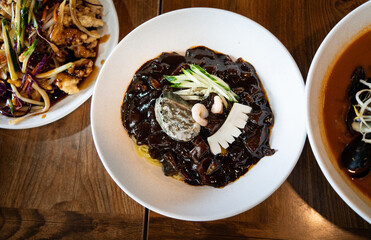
{"x": 356, "y": 157}
{"x": 356, "y": 85}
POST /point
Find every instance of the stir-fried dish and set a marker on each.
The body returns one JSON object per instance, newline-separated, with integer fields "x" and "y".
{"x": 203, "y": 117}
{"x": 47, "y": 48}
{"x": 347, "y": 112}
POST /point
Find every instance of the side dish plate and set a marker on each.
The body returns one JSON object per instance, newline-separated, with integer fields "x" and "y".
{"x": 177, "y": 31}
{"x": 72, "y": 102}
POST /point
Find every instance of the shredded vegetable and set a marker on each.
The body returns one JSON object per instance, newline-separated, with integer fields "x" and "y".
{"x": 10, "y": 55}
{"x": 198, "y": 84}
{"x": 27, "y": 54}
{"x": 45, "y": 51}
{"x": 54, "y": 72}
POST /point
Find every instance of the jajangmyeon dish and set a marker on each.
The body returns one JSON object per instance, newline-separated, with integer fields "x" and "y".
{"x": 47, "y": 49}
{"x": 203, "y": 117}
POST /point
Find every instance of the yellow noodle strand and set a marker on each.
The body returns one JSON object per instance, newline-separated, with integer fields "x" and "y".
{"x": 142, "y": 151}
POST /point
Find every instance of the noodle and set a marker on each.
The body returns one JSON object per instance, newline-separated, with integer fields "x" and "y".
{"x": 142, "y": 151}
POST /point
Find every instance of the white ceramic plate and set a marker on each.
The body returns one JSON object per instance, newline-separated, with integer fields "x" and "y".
{"x": 70, "y": 103}
{"x": 335, "y": 42}
{"x": 225, "y": 32}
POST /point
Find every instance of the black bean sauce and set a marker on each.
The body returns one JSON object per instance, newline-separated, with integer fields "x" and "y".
{"x": 193, "y": 159}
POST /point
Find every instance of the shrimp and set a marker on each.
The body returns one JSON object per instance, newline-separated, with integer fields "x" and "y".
{"x": 200, "y": 113}
{"x": 217, "y": 105}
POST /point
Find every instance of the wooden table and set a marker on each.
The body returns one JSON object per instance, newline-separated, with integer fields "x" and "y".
{"x": 53, "y": 184}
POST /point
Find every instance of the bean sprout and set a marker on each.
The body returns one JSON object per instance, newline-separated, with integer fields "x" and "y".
{"x": 361, "y": 123}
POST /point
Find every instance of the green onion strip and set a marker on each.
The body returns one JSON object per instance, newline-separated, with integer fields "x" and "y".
{"x": 198, "y": 84}
{"x": 10, "y": 55}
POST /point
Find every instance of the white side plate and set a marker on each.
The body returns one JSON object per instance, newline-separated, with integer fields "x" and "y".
{"x": 71, "y": 102}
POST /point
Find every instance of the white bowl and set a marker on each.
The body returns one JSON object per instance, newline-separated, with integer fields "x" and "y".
{"x": 177, "y": 31}
{"x": 338, "y": 38}
{"x": 72, "y": 102}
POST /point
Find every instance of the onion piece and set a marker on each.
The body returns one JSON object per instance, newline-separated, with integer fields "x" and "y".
{"x": 94, "y": 4}
{"x": 48, "y": 24}
{"x": 77, "y": 22}
{"x": 15, "y": 90}
{"x": 55, "y": 71}
{"x": 61, "y": 13}
{"x": 52, "y": 45}
{"x": 46, "y": 99}
{"x": 34, "y": 108}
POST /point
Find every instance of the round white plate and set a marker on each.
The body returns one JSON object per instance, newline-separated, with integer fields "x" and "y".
{"x": 177, "y": 31}
{"x": 335, "y": 42}
{"x": 71, "y": 102}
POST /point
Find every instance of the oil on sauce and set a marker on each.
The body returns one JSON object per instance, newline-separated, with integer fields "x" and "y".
{"x": 336, "y": 102}
{"x": 90, "y": 79}
{"x": 93, "y": 76}
{"x": 104, "y": 38}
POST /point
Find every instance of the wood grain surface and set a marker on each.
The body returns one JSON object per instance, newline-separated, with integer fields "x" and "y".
{"x": 54, "y": 186}
{"x": 52, "y": 182}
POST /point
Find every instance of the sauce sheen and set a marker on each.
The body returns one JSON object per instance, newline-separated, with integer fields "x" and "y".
{"x": 193, "y": 159}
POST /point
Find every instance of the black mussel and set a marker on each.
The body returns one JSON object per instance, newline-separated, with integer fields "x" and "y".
{"x": 356, "y": 85}
{"x": 356, "y": 157}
